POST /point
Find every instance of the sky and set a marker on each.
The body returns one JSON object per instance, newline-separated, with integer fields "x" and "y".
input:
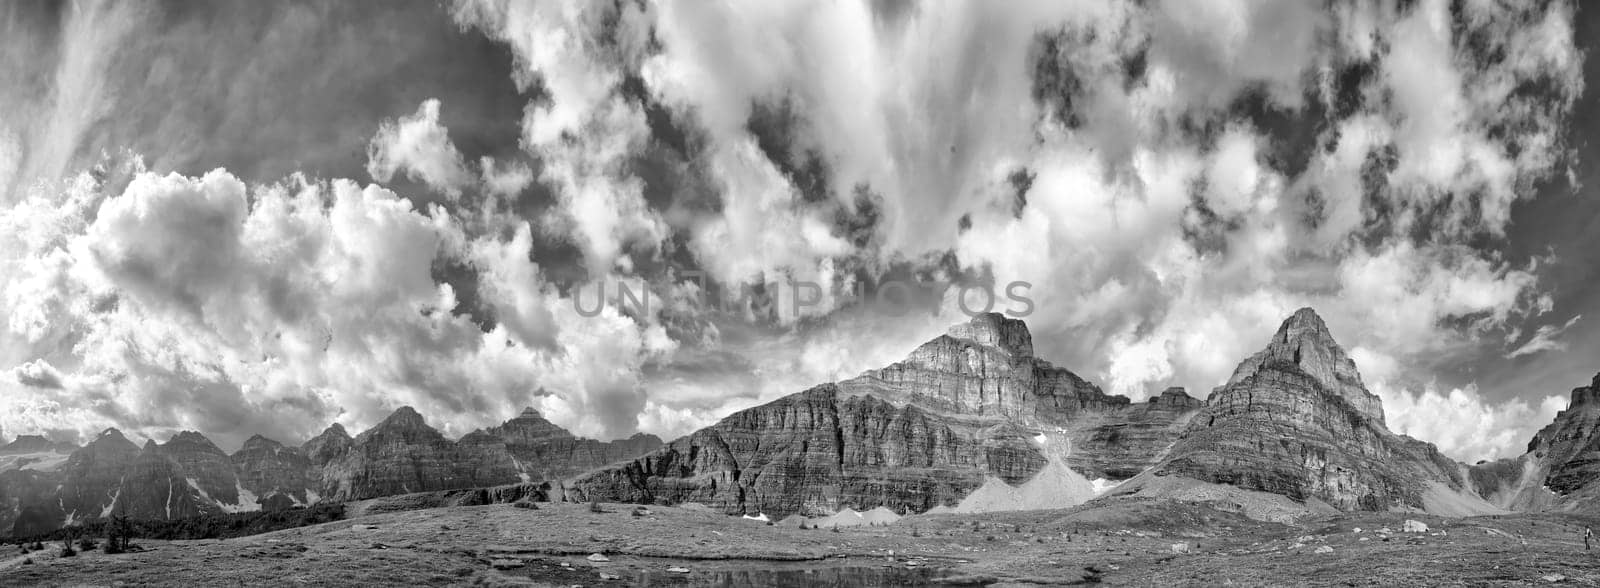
{"x": 242, "y": 217}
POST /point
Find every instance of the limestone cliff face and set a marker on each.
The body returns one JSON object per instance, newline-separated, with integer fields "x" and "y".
{"x": 92, "y": 476}
{"x": 1561, "y": 469}
{"x": 278, "y": 477}
{"x": 924, "y": 432}
{"x": 817, "y": 452}
{"x": 540, "y": 450}
{"x": 400, "y": 455}
{"x": 1295, "y": 420}
{"x": 1569, "y": 446}
{"x": 331, "y": 444}
{"x": 986, "y": 367}
{"x": 1119, "y": 443}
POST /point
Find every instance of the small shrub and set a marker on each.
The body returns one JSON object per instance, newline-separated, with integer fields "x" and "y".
{"x": 915, "y": 532}
{"x": 27, "y": 560}
{"x": 835, "y": 528}
{"x": 769, "y": 523}
{"x": 594, "y": 506}
{"x": 68, "y": 551}
{"x": 526, "y": 504}
{"x": 87, "y": 544}
{"x": 989, "y": 538}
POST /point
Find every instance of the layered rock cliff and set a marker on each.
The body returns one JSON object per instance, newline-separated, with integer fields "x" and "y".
{"x": 400, "y": 455}
{"x": 1295, "y": 420}
{"x": 962, "y": 409}
{"x": 273, "y": 476}
{"x": 1561, "y": 469}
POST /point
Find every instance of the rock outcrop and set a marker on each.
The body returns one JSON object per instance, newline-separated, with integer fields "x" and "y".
{"x": 960, "y": 411}
{"x": 1561, "y": 469}
{"x": 1295, "y": 420}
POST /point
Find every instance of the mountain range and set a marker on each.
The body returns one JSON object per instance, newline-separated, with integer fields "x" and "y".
{"x": 968, "y": 416}
{"x": 46, "y": 485}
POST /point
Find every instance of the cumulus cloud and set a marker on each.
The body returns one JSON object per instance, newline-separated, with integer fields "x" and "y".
{"x": 1464, "y": 425}
{"x": 38, "y": 374}
{"x": 420, "y": 147}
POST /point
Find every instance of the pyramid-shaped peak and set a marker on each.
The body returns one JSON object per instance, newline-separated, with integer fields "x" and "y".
{"x": 404, "y": 416}
{"x": 992, "y": 329}
{"x": 1305, "y": 323}
{"x": 190, "y": 437}
{"x": 1303, "y": 343}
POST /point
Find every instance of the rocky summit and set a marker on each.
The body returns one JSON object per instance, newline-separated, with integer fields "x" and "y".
{"x": 1295, "y": 420}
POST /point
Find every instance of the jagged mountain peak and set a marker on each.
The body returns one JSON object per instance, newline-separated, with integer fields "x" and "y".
{"x": 992, "y": 329}
{"x": 1303, "y": 343}
{"x": 404, "y": 418}
{"x": 405, "y": 423}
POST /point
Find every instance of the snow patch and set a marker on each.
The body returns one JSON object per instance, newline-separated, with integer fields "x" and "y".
{"x": 760, "y": 517}
{"x": 106, "y": 512}
{"x": 247, "y": 500}
{"x": 1102, "y": 485}
{"x": 312, "y": 497}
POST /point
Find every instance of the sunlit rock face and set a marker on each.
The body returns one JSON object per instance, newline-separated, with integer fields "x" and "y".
{"x": 1295, "y": 420}
{"x": 961, "y": 409}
